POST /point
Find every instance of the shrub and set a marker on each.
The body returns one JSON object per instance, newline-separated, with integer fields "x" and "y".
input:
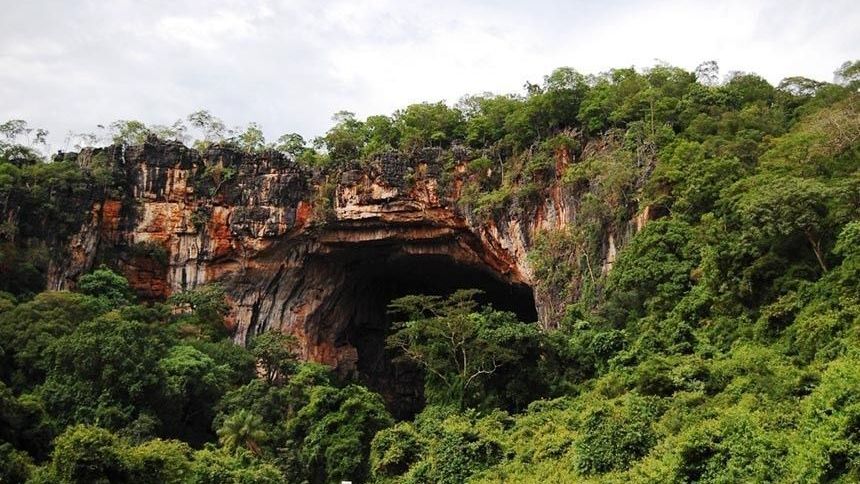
{"x": 108, "y": 285}
{"x": 616, "y": 433}
{"x": 150, "y": 250}
{"x": 84, "y": 454}
{"x": 394, "y": 450}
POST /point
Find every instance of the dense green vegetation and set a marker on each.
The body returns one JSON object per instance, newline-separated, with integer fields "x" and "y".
{"x": 723, "y": 346}
{"x": 97, "y": 388}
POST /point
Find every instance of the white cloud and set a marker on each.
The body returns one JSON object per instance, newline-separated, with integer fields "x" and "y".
{"x": 290, "y": 64}
{"x": 207, "y": 32}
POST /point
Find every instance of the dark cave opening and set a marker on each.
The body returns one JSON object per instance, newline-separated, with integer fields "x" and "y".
{"x": 377, "y": 276}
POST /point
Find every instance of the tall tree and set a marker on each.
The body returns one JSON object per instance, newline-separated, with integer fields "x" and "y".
{"x": 276, "y": 353}
{"x": 452, "y": 340}
{"x": 243, "y": 429}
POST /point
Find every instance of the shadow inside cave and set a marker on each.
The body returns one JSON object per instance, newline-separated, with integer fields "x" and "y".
{"x": 376, "y": 276}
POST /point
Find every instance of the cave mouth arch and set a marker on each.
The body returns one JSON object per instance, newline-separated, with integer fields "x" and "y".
{"x": 372, "y": 278}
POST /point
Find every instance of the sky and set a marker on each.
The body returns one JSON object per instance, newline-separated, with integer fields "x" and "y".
{"x": 290, "y": 64}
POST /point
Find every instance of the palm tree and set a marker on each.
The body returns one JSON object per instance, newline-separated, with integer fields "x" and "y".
{"x": 242, "y": 429}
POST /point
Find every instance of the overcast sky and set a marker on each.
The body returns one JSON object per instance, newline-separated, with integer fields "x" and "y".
{"x": 290, "y": 64}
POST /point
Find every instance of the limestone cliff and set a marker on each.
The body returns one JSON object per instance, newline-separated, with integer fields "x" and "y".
{"x": 316, "y": 254}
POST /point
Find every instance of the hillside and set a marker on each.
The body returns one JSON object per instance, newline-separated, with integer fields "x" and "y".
{"x": 643, "y": 276}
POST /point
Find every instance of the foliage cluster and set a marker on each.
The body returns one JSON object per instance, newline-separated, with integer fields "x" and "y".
{"x": 97, "y": 388}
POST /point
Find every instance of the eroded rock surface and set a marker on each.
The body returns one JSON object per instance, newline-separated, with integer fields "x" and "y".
{"x": 316, "y": 255}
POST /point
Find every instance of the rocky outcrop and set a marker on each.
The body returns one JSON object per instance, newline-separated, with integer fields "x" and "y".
{"x": 318, "y": 255}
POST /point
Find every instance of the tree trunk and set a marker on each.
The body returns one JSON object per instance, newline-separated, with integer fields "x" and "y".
{"x": 816, "y": 247}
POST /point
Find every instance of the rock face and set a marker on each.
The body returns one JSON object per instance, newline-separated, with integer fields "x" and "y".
{"x": 317, "y": 255}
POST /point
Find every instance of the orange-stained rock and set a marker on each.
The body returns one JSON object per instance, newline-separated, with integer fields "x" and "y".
{"x": 218, "y": 228}
{"x": 146, "y": 276}
{"x": 110, "y": 220}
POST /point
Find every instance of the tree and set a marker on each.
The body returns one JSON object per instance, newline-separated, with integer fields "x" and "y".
{"x": 80, "y": 140}
{"x": 345, "y": 140}
{"x": 31, "y": 328}
{"x": 193, "y": 383}
{"x": 175, "y": 131}
{"x": 335, "y": 430}
{"x": 394, "y": 449}
{"x": 800, "y": 86}
{"x": 848, "y": 75}
{"x": 13, "y": 128}
{"x": 779, "y": 207}
{"x": 291, "y": 144}
{"x": 85, "y": 454}
{"x": 652, "y": 273}
{"x": 688, "y": 182}
{"x": 615, "y": 434}
{"x": 215, "y": 466}
{"x": 105, "y": 372}
{"x": 429, "y": 124}
{"x": 214, "y": 130}
{"x": 708, "y": 73}
{"x": 106, "y": 284}
{"x": 208, "y": 305}
{"x": 486, "y": 118}
{"x": 276, "y": 353}
{"x": 24, "y": 424}
{"x": 456, "y": 344}
{"x": 745, "y": 88}
{"x": 563, "y": 92}
{"x": 158, "y": 462}
{"x": 242, "y": 430}
{"x": 252, "y": 139}
{"x": 382, "y": 134}
{"x": 15, "y": 466}
{"x": 274, "y": 404}
{"x": 19, "y": 142}
{"x": 129, "y": 132}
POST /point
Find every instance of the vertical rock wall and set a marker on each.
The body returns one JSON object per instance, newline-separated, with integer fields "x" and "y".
{"x": 285, "y": 252}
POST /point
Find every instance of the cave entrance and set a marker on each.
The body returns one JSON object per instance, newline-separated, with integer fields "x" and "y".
{"x": 376, "y": 276}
